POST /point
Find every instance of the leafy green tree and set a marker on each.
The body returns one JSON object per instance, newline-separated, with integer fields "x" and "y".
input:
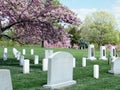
{"x": 74, "y": 35}
{"x": 101, "y": 28}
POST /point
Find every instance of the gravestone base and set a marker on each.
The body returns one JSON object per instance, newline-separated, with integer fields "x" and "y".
{"x": 113, "y": 58}
{"x": 103, "y": 58}
{"x": 60, "y": 85}
{"x": 113, "y": 72}
{"x": 91, "y": 58}
{"x": 110, "y": 71}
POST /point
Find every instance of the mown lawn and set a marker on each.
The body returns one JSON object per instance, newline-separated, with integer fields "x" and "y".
{"x": 37, "y": 78}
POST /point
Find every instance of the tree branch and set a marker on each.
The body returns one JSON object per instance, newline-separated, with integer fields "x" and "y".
{"x": 10, "y": 38}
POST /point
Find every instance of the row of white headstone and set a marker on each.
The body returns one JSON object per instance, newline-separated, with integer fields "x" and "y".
{"x": 91, "y": 52}
{"x": 115, "y": 63}
{"x": 22, "y": 61}
{"x": 16, "y": 53}
{"x": 31, "y": 51}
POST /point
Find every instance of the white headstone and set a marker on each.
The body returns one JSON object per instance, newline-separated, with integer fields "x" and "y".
{"x": 26, "y": 66}
{"x": 96, "y": 71}
{"x": 15, "y": 52}
{"x": 21, "y": 60}
{"x": 18, "y": 55}
{"x": 91, "y": 52}
{"x": 32, "y": 52}
{"x": 83, "y": 62}
{"x": 4, "y": 56}
{"x": 36, "y": 59}
{"x": 48, "y": 53}
{"x": 24, "y": 51}
{"x": 5, "y": 50}
{"x": 5, "y": 80}
{"x": 102, "y": 53}
{"x": 74, "y": 62}
{"x": 60, "y": 71}
{"x": 115, "y": 66}
{"x": 113, "y": 52}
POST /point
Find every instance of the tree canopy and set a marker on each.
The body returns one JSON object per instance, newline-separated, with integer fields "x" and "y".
{"x": 35, "y": 20}
{"x": 100, "y": 27}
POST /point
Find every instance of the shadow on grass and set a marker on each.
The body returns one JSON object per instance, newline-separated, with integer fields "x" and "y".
{"x": 9, "y": 62}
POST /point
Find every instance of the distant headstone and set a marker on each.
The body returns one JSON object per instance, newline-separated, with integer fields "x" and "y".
{"x": 48, "y": 53}
{"x": 91, "y": 52}
{"x": 5, "y": 80}
{"x": 36, "y": 59}
{"x": 21, "y": 60}
{"x": 96, "y": 71}
{"x": 113, "y": 52}
{"x": 18, "y": 55}
{"x": 24, "y": 52}
{"x": 5, "y": 52}
{"x": 4, "y": 56}
{"x": 102, "y": 53}
{"x": 15, "y": 52}
{"x": 32, "y": 52}
{"x": 115, "y": 66}
{"x": 60, "y": 71}
{"x": 83, "y": 62}
{"x": 74, "y": 62}
{"x": 26, "y": 66}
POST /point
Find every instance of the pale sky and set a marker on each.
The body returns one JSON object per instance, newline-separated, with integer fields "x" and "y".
{"x": 84, "y": 7}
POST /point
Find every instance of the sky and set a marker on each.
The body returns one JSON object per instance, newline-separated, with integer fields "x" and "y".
{"x": 84, "y": 7}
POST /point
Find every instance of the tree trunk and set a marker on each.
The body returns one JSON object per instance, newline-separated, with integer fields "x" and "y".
{"x": 42, "y": 44}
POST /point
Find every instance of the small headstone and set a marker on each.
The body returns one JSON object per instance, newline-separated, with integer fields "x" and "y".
{"x": 102, "y": 53}
{"x": 74, "y": 62}
{"x": 91, "y": 52}
{"x": 18, "y": 55}
{"x": 4, "y": 56}
{"x": 45, "y": 64}
{"x": 36, "y": 59}
{"x": 96, "y": 71}
{"x": 60, "y": 71}
{"x": 32, "y": 52}
{"x": 5, "y": 80}
{"x": 113, "y": 52}
{"x": 48, "y": 53}
{"x": 115, "y": 66}
{"x": 26, "y": 66}
{"x": 21, "y": 60}
{"x": 5, "y": 50}
{"x": 15, "y": 52}
{"x": 24, "y": 51}
{"x": 83, "y": 62}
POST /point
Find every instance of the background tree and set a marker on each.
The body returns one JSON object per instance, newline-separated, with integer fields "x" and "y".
{"x": 34, "y": 20}
{"x": 100, "y": 27}
{"x": 74, "y": 35}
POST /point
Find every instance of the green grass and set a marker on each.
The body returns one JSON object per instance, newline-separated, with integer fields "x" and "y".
{"x": 37, "y": 78}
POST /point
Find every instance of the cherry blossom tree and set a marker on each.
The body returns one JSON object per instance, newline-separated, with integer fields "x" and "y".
{"x": 35, "y": 21}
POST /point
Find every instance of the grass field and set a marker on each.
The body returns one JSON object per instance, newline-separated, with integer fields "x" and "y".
{"x": 37, "y": 78}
